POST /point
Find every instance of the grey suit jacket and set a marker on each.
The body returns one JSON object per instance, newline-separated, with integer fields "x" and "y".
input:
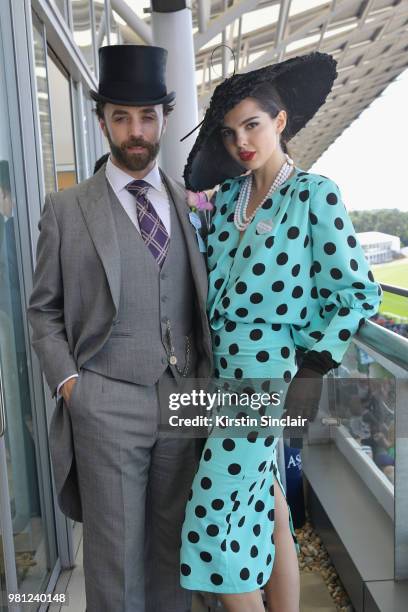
{"x": 78, "y": 262}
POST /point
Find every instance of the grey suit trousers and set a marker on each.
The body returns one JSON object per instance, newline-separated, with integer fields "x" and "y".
{"x": 134, "y": 487}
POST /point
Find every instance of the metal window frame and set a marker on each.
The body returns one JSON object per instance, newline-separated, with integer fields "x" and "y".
{"x": 15, "y": 20}
{"x": 37, "y": 122}
{"x": 61, "y": 40}
{"x": 29, "y": 198}
{"x": 50, "y": 55}
{"x": 80, "y": 145}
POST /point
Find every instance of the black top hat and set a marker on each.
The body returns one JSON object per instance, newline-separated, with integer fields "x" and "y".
{"x": 303, "y": 84}
{"x": 133, "y": 75}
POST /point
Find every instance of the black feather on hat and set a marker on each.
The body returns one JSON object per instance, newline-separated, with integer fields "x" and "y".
{"x": 303, "y": 84}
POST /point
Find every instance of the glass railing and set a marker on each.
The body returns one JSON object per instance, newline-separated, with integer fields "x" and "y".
{"x": 364, "y": 412}
{"x": 363, "y": 415}
{"x": 393, "y": 314}
{"x": 360, "y": 406}
{"x": 363, "y": 394}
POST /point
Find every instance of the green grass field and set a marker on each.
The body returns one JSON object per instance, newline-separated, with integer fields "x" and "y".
{"x": 394, "y": 273}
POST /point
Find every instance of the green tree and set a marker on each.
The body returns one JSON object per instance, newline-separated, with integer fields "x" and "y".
{"x": 387, "y": 220}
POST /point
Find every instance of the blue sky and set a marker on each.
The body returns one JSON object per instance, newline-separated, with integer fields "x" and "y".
{"x": 369, "y": 161}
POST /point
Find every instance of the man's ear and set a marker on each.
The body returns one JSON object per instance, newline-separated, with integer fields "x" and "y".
{"x": 164, "y": 127}
{"x": 103, "y": 127}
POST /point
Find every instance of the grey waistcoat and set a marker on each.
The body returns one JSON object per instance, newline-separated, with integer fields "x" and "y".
{"x": 136, "y": 349}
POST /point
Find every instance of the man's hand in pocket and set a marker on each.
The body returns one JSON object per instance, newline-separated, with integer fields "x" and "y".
{"x": 67, "y": 389}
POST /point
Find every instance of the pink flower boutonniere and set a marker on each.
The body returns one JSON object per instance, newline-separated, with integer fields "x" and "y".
{"x": 198, "y": 200}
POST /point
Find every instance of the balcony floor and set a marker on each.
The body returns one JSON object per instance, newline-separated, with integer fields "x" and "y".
{"x": 314, "y": 594}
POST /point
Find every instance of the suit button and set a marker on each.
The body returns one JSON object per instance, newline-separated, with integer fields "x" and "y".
{"x": 163, "y": 276}
{"x": 164, "y": 298}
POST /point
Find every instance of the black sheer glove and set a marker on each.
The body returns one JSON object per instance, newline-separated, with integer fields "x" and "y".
{"x": 302, "y": 400}
{"x": 303, "y": 396}
{"x": 305, "y": 390}
{"x": 321, "y": 362}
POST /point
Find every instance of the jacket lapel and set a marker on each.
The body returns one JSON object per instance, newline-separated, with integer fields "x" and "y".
{"x": 94, "y": 201}
{"x": 197, "y": 262}
{"x": 96, "y": 208}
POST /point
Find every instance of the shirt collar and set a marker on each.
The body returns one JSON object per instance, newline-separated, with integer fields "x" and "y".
{"x": 119, "y": 178}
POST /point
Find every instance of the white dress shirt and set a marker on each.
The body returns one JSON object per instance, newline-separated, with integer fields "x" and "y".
{"x": 118, "y": 179}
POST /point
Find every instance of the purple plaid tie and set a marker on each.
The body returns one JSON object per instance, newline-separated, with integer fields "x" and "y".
{"x": 153, "y": 232}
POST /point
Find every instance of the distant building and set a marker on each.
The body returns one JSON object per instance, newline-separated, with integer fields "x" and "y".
{"x": 379, "y": 247}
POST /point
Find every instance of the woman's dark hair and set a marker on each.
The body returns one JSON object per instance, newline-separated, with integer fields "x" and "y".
{"x": 270, "y": 102}
{"x": 167, "y": 109}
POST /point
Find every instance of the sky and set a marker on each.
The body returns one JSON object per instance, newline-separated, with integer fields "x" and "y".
{"x": 369, "y": 161}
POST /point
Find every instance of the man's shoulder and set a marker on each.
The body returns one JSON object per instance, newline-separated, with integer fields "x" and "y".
{"x": 71, "y": 194}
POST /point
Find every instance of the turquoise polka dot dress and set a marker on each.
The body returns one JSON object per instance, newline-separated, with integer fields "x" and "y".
{"x": 303, "y": 284}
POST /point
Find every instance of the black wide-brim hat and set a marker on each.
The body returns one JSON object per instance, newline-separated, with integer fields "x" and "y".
{"x": 303, "y": 84}
{"x": 133, "y": 75}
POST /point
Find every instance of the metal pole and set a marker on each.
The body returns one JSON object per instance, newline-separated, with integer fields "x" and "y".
{"x": 133, "y": 21}
{"x": 203, "y": 13}
{"x": 101, "y": 32}
{"x": 205, "y": 66}
{"x": 107, "y": 21}
{"x": 239, "y": 43}
{"x": 173, "y": 29}
{"x": 93, "y": 33}
{"x": 224, "y": 54}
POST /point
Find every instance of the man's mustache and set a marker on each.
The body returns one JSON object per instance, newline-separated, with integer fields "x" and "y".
{"x": 137, "y": 142}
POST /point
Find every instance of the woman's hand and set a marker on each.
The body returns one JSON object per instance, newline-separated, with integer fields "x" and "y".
{"x": 302, "y": 399}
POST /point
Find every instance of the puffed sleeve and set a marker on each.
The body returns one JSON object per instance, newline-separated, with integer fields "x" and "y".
{"x": 344, "y": 284}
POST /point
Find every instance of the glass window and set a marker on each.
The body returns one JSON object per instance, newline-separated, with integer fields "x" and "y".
{"x": 82, "y": 29}
{"x": 62, "y": 124}
{"x": 20, "y": 498}
{"x": 43, "y": 104}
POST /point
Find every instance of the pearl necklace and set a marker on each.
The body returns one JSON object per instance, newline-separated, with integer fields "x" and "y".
{"x": 241, "y": 220}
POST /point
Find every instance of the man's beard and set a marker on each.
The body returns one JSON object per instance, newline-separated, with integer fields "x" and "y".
{"x": 134, "y": 161}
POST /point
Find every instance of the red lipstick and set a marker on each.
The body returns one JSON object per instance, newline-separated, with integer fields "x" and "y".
{"x": 246, "y": 155}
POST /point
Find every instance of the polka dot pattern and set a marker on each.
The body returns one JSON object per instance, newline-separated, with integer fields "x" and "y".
{"x": 311, "y": 252}
{"x": 303, "y": 284}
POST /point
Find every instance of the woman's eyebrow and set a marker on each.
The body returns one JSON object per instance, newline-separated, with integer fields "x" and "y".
{"x": 242, "y": 122}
